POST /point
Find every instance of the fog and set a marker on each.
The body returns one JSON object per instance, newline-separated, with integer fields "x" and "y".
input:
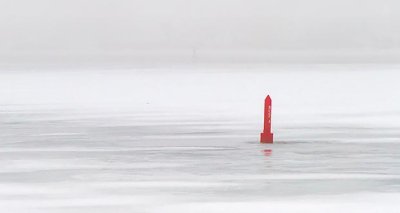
{"x": 157, "y": 106}
{"x": 244, "y": 30}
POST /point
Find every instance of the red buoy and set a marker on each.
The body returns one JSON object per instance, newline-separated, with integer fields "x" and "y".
{"x": 266, "y": 135}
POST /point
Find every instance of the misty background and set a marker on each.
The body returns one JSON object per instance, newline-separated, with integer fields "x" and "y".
{"x": 157, "y": 106}
{"x": 66, "y": 32}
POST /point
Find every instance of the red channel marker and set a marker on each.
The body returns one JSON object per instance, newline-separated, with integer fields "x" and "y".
{"x": 266, "y": 135}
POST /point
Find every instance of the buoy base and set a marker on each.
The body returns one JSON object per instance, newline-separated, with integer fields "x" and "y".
{"x": 267, "y": 138}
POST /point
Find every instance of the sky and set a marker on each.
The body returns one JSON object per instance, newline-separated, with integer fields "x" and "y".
{"x": 263, "y": 29}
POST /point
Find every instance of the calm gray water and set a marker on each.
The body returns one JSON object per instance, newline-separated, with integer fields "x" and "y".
{"x": 83, "y": 161}
{"x": 186, "y": 140}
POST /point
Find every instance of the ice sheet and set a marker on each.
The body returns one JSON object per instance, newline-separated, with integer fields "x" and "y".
{"x": 186, "y": 140}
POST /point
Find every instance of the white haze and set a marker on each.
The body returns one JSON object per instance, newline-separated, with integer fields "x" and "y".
{"x": 157, "y": 106}
{"x": 45, "y": 31}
